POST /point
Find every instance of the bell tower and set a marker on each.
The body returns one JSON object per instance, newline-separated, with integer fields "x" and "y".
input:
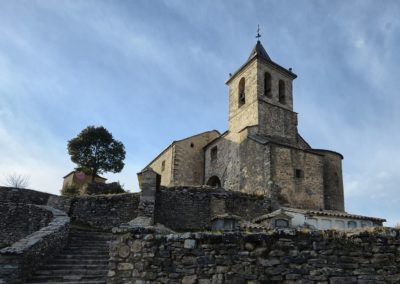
{"x": 260, "y": 94}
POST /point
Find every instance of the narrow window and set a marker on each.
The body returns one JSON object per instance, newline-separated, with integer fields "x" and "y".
{"x": 214, "y": 154}
{"x": 163, "y": 165}
{"x": 242, "y": 96}
{"x": 298, "y": 173}
{"x": 267, "y": 85}
{"x": 352, "y": 224}
{"x": 282, "y": 98}
{"x": 281, "y": 223}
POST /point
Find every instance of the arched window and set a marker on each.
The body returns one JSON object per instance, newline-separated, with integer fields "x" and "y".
{"x": 281, "y": 223}
{"x": 242, "y": 97}
{"x": 267, "y": 85}
{"x": 282, "y": 98}
{"x": 214, "y": 181}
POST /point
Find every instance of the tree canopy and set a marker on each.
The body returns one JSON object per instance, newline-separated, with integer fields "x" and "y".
{"x": 95, "y": 151}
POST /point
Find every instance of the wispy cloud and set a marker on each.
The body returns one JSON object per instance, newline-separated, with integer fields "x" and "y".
{"x": 139, "y": 67}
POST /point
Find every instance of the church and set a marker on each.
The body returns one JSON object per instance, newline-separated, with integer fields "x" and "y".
{"x": 262, "y": 152}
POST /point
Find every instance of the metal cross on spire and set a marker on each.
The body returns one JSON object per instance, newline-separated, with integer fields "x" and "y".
{"x": 258, "y": 33}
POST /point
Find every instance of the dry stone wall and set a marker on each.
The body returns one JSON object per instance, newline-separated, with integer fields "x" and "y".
{"x": 143, "y": 256}
{"x": 104, "y": 211}
{"x": 19, "y": 260}
{"x": 190, "y": 208}
{"x": 19, "y": 220}
{"x": 22, "y": 195}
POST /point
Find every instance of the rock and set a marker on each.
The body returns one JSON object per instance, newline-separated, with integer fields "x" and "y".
{"x": 191, "y": 279}
{"x": 342, "y": 280}
{"x": 189, "y": 244}
{"x": 124, "y": 251}
{"x": 125, "y": 266}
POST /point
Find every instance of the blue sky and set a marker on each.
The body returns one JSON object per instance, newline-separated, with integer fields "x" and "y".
{"x": 153, "y": 71}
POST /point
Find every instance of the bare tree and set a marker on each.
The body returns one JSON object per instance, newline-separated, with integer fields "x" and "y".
{"x": 17, "y": 180}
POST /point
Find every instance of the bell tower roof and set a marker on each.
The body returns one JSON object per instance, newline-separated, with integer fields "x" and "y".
{"x": 259, "y": 51}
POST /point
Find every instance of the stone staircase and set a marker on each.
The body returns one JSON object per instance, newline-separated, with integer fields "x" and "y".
{"x": 84, "y": 260}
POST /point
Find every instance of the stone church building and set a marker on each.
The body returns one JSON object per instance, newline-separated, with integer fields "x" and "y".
{"x": 262, "y": 152}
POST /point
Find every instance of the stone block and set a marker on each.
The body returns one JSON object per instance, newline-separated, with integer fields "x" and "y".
{"x": 189, "y": 244}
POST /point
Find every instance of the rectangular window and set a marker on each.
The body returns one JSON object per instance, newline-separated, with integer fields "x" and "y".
{"x": 163, "y": 166}
{"x": 298, "y": 173}
{"x": 214, "y": 154}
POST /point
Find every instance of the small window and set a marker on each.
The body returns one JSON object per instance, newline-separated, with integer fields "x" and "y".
{"x": 298, "y": 173}
{"x": 282, "y": 98}
{"x": 326, "y": 224}
{"x": 241, "y": 92}
{"x": 163, "y": 166}
{"x": 339, "y": 224}
{"x": 267, "y": 85}
{"x": 352, "y": 224}
{"x": 281, "y": 223}
{"x": 366, "y": 224}
{"x": 214, "y": 154}
{"x": 191, "y": 145}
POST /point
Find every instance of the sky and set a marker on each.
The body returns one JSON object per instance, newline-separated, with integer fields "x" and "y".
{"x": 153, "y": 71}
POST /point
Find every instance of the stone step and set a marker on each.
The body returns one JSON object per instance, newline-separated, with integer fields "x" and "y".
{"x": 82, "y": 256}
{"x": 67, "y": 281}
{"x": 90, "y": 244}
{"x": 75, "y": 248}
{"x": 66, "y": 272}
{"x": 74, "y": 267}
{"x": 67, "y": 278}
{"x": 85, "y": 252}
{"x": 83, "y": 261}
{"x": 90, "y": 236}
{"x": 102, "y": 261}
{"x": 77, "y": 244}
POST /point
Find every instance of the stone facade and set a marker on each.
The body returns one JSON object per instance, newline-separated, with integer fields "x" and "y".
{"x": 182, "y": 162}
{"x": 80, "y": 180}
{"x": 262, "y": 152}
{"x": 143, "y": 256}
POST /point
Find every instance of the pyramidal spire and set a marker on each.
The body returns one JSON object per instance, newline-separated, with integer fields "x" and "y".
{"x": 259, "y": 49}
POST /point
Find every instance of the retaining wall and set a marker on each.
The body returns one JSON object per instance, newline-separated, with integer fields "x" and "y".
{"x": 293, "y": 257}
{"x": 191, "y": 208}
{"x": 104, "y": 211}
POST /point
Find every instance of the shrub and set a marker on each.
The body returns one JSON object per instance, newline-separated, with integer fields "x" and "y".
{"x": 104, "y": 188}
{"x": 70, "y": 191}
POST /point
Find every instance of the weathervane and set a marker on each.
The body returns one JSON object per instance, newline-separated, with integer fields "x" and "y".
{"x": 258, "y": 33}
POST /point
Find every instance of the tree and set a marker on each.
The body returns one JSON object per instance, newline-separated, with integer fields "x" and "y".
{"x": 95, "y": 151}
{"x": 17, "y": 181}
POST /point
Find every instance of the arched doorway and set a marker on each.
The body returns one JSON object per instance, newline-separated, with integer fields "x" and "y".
{"x": 214, "y": 181}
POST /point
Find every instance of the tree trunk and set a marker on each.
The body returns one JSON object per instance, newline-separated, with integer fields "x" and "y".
{"x": 93, "y": 175}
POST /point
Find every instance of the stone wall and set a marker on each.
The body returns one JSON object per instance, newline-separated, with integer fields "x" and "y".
{"x": 333, "y": 180}
{"x": 306, "y": 191}
{"x": 19, "y": 220}
{"x": 23, "y": 257}
{"x": 21, "y": 195}
{"x": 181, "y": 208}
{"x": 104, "y": 211}
{"x": 294, "y": 257}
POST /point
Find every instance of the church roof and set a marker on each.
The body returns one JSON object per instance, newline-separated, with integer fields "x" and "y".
{"x": 260, "y": 51}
